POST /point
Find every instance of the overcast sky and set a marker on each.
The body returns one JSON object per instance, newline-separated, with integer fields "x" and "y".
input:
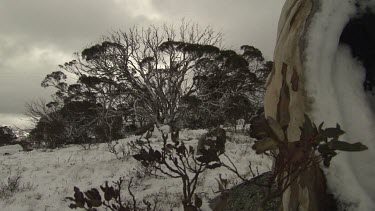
{"x": 37, "y": 35}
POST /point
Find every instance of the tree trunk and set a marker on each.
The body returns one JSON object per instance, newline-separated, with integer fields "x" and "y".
{"x": 286, "y": 100}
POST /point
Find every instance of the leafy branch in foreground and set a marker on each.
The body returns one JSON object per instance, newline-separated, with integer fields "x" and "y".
{"x": 175, "y": 160}
{"x": 315, "y": 145}
{"x": 112, "y": 199}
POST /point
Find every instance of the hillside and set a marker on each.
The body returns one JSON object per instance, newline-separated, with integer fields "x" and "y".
{"x": 50, "y": 175}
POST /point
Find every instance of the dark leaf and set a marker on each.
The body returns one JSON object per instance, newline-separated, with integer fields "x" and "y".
{"x": 181, "y": 149}
{"x": 145, "y": 163}
{"x": 264, "y": 145}
{"x": 151, "y": 154}
{"x": 321, "y": 127}
{"x": 109, "y": 192}
{"x": 79, "y": 198}
{"x": 69, "y": 198}
{"x": 157, "y": 155}
{"x": 73, "y": 206}
{"x": 308, "y": 129}
{"x": 324, "y": 149}
{"x": 333, "y": 132}
{"x": 208, "y": 156}
{"x": 191, "y": 149}
{"x": 213, "y": 166}
{"x": 320, "y": 138}
{"x": 344, "y": 146}
{"x": 94, "y": 197}
{"x": 124, "y": 209}
{"x": 89, "y": 203}
{"x": 140, "y": 142}
{"x": 327, "y": 161}
{"x": 197, "y": 201}
{"x": 76, "y": 189}
{"x": 220, "y": 185}
{"x": 148, "y": 135}
{"x": 169, "y": 146}
{"x": 138, "y": 157}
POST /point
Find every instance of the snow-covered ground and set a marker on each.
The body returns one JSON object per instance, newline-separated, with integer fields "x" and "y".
{"x": 334, "y": 83}
{"x": 52, "y": 174}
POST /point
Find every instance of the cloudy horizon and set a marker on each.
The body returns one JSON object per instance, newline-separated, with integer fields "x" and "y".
{"x": 36, "y": 36}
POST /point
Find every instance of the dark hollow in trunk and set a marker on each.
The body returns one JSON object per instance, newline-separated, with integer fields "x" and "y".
{"x": 359, "y": 34}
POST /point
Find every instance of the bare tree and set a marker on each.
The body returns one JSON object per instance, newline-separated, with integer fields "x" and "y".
{"x": 146, "y": 75}
{"x": 145, "y": 70}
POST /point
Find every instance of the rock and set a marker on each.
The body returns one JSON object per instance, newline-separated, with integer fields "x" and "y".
{"x": 246, "y": 196}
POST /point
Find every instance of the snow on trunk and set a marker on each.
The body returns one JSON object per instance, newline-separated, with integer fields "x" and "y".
{"x": 315, "y": 74}
{"x": 334, "y": 82}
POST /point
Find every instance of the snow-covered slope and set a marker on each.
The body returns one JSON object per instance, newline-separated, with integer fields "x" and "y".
{"x": 53, "y": 173}
{"x": 334, "y": 83}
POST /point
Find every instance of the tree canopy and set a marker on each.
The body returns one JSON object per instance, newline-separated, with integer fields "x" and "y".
{"x": 163, "y": 75}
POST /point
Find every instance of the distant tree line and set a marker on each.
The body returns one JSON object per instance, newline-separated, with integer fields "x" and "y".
{"x": 180, "y": 77}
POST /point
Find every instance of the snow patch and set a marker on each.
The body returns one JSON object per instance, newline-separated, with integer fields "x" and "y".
{"x": 334, "y": 84}
{"x": 10, "y": 149}
{"x": 54, "y": 173}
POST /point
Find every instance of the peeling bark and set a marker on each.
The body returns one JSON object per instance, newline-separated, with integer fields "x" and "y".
{"x": 283, "y": 116}
{"x": 286, "y": 101}
{"x": 294, "y": 81}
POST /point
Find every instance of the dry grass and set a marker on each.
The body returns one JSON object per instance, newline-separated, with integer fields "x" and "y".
{"x": 12, "y": 186}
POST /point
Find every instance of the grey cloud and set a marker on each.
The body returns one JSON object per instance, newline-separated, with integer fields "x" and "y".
{"x": 251, "y": 22}
{"x": 64, "y": 23}
{"x": 20, "y": 76}
{"x": 37, "y": 35}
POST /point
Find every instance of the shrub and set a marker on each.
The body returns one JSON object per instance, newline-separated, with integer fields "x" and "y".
{"x": 12, "y": 186}
{"x": 7, "y": 135}
{"x": 175, "y": 160}
{"x": 77, "y": 122}
{"x": 111, "y": 199}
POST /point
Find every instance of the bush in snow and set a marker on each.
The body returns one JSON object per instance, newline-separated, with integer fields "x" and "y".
{"x": 6, "y": 135}
{"x": 111, "y": 198}
{"x": 12, "y": 186}
{"x": 166, "y": 155}
{"x": 176, "y": 160}
{"x": 75, "y": 122}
